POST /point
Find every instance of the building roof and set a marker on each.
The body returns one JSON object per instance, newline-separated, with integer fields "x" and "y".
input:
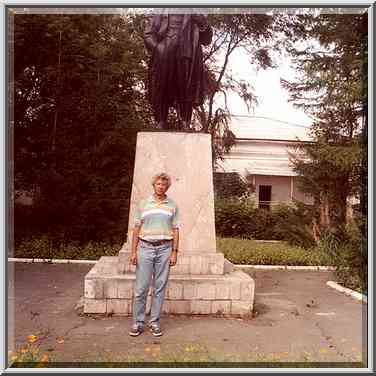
{"x": 263, "y": 128}
{"x": 262, "y": 146}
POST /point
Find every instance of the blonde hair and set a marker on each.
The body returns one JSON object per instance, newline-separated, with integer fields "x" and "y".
{"x": 162, "y": 176}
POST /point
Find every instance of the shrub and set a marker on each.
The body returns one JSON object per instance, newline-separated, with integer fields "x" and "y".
{"x": 229, "y": 184}
{"x": 237, "y": 217}
{"x": 43, "y": 247}
{"x": 349, "y": 255}
{"x": 292, "y": 223}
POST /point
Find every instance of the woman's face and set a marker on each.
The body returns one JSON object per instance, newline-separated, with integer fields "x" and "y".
{"x": 160, "y": 187}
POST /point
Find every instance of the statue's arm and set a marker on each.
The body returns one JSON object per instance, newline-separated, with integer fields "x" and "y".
{"x": 150, "y": 39}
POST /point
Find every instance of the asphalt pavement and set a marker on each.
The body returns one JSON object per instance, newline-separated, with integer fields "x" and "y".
{"x": 298, "y": 321}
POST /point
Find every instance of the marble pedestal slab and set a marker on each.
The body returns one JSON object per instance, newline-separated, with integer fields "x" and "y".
{"x": 202, "y": 282}
{"x": 231, "y": 293}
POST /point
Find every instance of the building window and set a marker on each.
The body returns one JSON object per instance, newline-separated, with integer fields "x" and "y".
{"x": 265, "y": 196}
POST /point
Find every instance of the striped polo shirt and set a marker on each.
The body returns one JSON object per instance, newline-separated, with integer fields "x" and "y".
{"x": 157, "y": 219}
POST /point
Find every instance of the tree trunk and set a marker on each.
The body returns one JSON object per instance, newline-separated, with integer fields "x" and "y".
{"x": 325, "y": 213}
{"x": 54, "y": 128}
{"x": 349, "y": 212}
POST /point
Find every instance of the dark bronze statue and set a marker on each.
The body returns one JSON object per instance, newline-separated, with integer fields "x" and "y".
{"x": 176, "y": 74}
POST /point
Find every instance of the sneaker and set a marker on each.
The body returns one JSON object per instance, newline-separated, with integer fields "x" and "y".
{"x": 155, "y": 330}
{"x": 135, "y": 331}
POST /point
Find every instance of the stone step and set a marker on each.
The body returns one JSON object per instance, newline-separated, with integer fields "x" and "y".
{"x": 188, "y": 263}
{"x": 107, "y": 291}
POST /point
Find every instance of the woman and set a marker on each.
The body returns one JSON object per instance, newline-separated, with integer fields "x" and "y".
{"x": 154, "y": 249}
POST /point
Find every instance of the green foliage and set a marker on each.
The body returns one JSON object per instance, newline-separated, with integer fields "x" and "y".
{"x": 240, "y": 218}
{"x": 251, "y": 33}
{"x": 238, "y": 251}
{"x": 250, "y": 252}
{"x": 293, "y": 223}
{"x": 332, "y": 88}
{"x": 229, "y": 184}
{"x": 79, "y": 102}
{"x": 43, "y": 247}
{"x": 236, "y": 217}
{"x": 349, "y": 255}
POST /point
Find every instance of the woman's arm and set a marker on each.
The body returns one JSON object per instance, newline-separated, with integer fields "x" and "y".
{"x": 175, "y": 246}
{"x": 135, "y": 238}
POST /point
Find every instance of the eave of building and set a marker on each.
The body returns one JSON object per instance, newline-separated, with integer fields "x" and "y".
{"x": 274, "y": 141}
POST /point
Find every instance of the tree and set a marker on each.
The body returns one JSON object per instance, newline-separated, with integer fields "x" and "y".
{"x": 251, "y": 33}
{"x": 330, "y": 88}
{"x": 78, "y": 106}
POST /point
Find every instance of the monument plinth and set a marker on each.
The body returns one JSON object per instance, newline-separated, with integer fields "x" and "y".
{"x": 203, "y": 281}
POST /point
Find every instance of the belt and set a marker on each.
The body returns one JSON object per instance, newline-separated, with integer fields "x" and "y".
{"x": 157, "y": 242}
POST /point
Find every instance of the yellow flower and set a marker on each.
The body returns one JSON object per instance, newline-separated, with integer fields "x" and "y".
{"x": 32, "y": 338}
{"x": 14, "y": 358}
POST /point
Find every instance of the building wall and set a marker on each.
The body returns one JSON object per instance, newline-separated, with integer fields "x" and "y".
{"x": 284, "y": 188}
{"x": 280, "y": 186}
{"x": 259, "y": 157}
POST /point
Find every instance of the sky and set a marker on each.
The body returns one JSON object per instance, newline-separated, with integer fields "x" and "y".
{"x": 272, "y": 98}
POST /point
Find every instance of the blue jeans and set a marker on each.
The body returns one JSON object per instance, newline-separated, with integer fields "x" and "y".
{"x": 153, "y": 262}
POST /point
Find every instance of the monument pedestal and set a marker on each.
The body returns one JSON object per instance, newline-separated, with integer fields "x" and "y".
{"x": 203, "y": 281}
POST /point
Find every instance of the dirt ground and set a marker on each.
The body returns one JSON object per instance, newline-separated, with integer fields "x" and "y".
{"x": 298, "y": 322}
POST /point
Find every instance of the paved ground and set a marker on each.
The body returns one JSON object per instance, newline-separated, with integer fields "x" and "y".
{"x": 297, "y": 319}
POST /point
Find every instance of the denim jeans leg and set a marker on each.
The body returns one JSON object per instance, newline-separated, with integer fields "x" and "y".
{"x": 144, "y": 272}
{"x": 161, "y": 270}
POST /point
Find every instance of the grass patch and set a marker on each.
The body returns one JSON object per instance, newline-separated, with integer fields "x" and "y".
{"x": 44, "y": 248}
{"x": 201, "y": 356}
{"x": 238, "y": 251}
{"x": 245, "y": 251}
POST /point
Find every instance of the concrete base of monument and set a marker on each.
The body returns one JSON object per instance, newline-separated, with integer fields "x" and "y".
{"x": 111, "y": 292}
{"x": 188, "y": 263}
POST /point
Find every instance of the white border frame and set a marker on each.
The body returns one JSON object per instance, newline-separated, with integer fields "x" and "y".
{"x": 4, "y": 190}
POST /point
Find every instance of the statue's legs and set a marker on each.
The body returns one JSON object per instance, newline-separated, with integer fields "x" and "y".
{"x": 185, "y": 114}
{"x": 184, "y": 93}
{"x": 161, "y": 114}
{"x": 164, "y": 80}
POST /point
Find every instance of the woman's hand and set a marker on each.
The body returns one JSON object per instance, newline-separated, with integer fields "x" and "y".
{"x": 173, "y": 258}
{"x": 134, "y": 258}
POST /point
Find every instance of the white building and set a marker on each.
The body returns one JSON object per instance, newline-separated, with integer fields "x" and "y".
{"x": 261, "y": 154}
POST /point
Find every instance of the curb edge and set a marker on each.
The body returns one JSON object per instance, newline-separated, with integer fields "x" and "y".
{"x": 237, "y": 266}
{"x": 354, "y": 294}
{"x": 51, "y": 261}
{"x": 286, "y": 267}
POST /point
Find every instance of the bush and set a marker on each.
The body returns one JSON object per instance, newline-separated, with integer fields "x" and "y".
{"x": 43, "y": 247}
{"x": 236, "y": 217}
{"x": 349, "y": 255}
{"x": 240, "y": 218}
{"x": 292, "y": 223}
{"x": 229, "y": 184}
